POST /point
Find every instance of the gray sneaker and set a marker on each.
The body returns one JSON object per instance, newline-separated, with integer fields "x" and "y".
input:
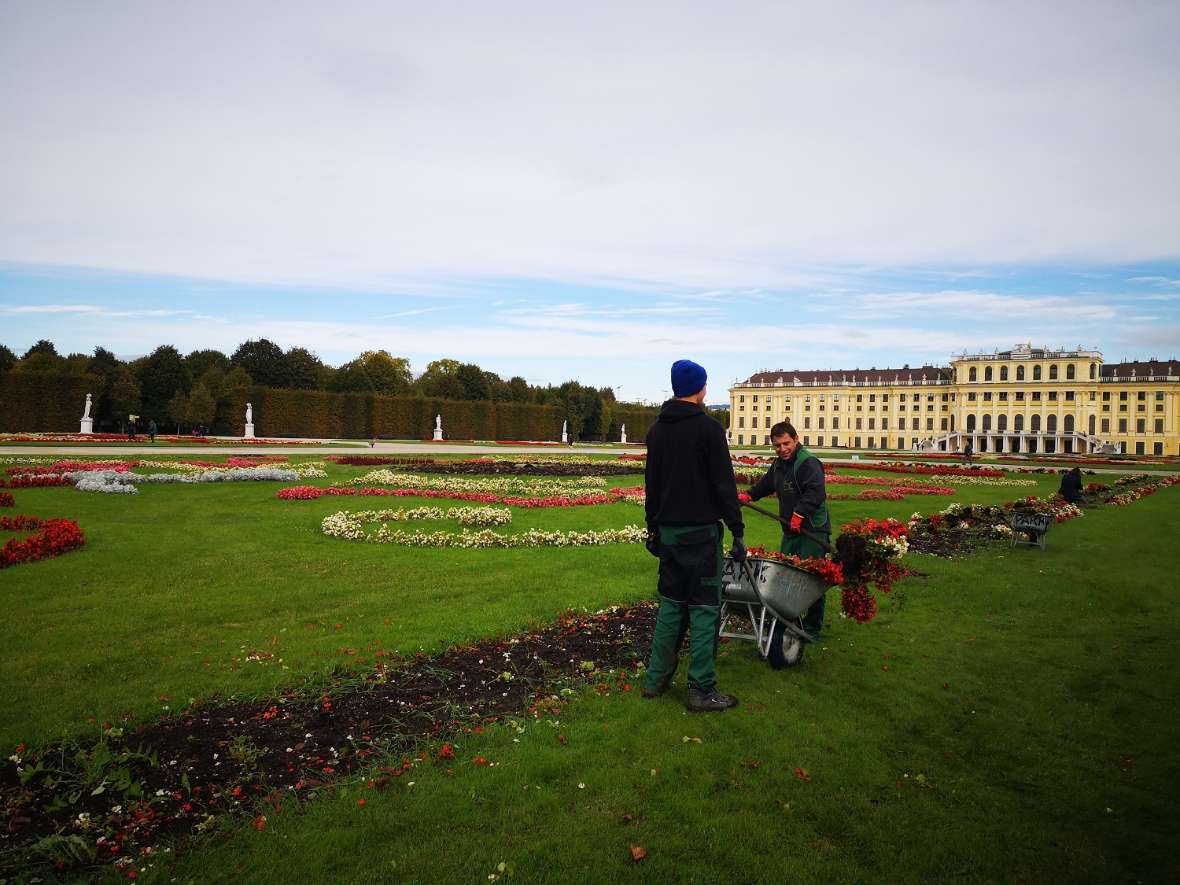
{"x": 709, "y": 701}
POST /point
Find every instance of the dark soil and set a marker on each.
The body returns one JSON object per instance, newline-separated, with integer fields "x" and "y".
{"x": 225, "y": 757}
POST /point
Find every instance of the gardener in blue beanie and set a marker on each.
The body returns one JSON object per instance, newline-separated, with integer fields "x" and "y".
{"x": 690, "y": 491}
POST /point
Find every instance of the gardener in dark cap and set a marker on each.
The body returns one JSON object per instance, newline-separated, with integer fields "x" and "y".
{"x": 797, "y": 478}
{"x": 690, "y": 491}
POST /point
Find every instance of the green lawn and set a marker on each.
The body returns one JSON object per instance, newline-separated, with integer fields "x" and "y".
{"x": 1007, "y": 717}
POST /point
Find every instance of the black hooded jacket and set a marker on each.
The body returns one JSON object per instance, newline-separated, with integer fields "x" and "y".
{"x": 689, "y": 477}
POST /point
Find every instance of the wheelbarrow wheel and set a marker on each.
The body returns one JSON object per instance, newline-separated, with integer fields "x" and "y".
{"x": 786, "y": 649}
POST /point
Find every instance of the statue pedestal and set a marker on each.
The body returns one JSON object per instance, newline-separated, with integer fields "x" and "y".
{"x": 437, "y": 436}
{"x": 623, "y": 438}
{"x": 87, "y": 425}
{"x": 249, "y": 434}
{"x": 565, "y": 437}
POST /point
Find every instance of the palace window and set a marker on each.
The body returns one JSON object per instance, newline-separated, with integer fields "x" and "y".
{"x": 1020, "y": 396}
{"x": 1093, "y": 370}
{"x": 872, "y": 423}
{"x": 914, "y": 424}
{"x": 754, "y": 408}
{"x": 1069, "y": 396}
{"x": 1070, "y": 372}
{"x": 1122, "y": 396}
{"x": 1106, "y": 425}
{"x": 806, "y": 423}
{"x": 1159, "y": 396}
{"x": 916, "y": 397}
{"x": 1140, "y": 425}
{"x": 1122, "y": 425}
{"x": 944, "y": 423}
{"x": 1018, "y": 423}
{"x": 1036, "y": 396}
{"x": 821, "y": 423}
{"x": 1142, "y": 395}
{"x": 766, "y": 421}
{"x": 1003, "y": 396}
{"x": 1159, "y": 425}
{"x": 987, "y": 423}
{"x": 1106, "y": 396}
{"x": 929, "y": 423}
{"x": 971, "y": 397}
{"x": 860, "y": 398}
{"x": 1122, "y": 407}
{"x": 972, "y": 375}
{"x": 970, "y": 422}
{"x": 1051, "y": 424}
{"x": 1069, "y": 423}
{"x": 741, "y": 439}
{"x": 741, "y": 421}
{"x": 884, "y": 423}
{"x": 1052, "y": 396}
{"x": 741, "y": 398}
{"x": 1053, "y": 372}
{"x": 1036, "y": 373}
{"x": 1003, "y": 373}
{"x": 987, "y": 396}
{"x": 835, "y": 423}
{"x": 1034, "y": 424}
{"x": 1020, "y": 373}
{"x": 872, "y": 397}
{"x": 1002, "y": 423}
{"x": 987, "y": 374}
{"x": 859, "y": 423}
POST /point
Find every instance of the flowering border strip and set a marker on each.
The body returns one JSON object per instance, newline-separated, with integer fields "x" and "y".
{"x": 51, "y": 537}
{"x": 6, "y": 500}
{"x": 610, "y": 496}
{"x": 350, "y": 525}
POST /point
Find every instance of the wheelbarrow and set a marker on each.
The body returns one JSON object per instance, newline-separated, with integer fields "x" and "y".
{"x": 773, "y": 596}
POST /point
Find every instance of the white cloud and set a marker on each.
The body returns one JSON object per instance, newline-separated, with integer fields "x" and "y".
{"x": 657, "y": 144}
{"x": 1162, "y": 282}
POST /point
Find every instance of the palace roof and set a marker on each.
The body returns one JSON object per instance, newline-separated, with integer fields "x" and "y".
{"x": 863, "y": 376}
{"x": 1140, "y": 368}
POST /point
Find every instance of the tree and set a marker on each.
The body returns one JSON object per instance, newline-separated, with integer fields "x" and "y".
{"x": 202, "y": 407}
{"x": 236, "y": 379}
{"x": 439, "y": 380}
{"x": 178, "y": 409}
{"x": 473, "y": 382}
{"x": 304, "y": 369}
{"x": 352, "y": 378}
{"x": 42, "y": 347}
{"x": 201, "y": 361}
{"x": 390, "y": 375}
{"x": 124, "y": 394}
{"x": 265, "y": 362}
{"x": 161, "y": 375}
{"x": 7, "y": 359}
{"x": 519, "y": 390}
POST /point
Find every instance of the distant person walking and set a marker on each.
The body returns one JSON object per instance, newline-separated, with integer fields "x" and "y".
{"x": 131, "y": 427}
{"x": 690, "y": 490}
{"x": 152, "y": 430}
{"x": 968, "y": 451}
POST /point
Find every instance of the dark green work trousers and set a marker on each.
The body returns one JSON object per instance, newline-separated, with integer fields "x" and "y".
{"x": 690, "y": 597}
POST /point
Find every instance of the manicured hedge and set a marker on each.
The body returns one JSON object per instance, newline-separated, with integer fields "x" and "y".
{"x": 44, "y": 402}
{"x": 53, "y": 402}
{"x": 326, "y": 415}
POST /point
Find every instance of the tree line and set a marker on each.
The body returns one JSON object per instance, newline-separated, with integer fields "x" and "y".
{"x": 184, "y": 391}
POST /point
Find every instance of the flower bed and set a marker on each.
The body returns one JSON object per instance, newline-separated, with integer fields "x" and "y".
{"x": 828, "y": 569}
{"x": 36, "y": 481}
{"x": 6, "y": 500}
{"x": 51, "y": 537}
{"x": 586, "y": 485}
{"x": 112, "y": 482}
{"x": 610, "y": 496}
{"x": 350, "y": 525}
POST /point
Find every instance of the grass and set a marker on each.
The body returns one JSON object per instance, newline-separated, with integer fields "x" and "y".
{"x": 1007, "y": 718}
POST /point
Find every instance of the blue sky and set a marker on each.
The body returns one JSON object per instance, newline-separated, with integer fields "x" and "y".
{"x": 592, "y": 192}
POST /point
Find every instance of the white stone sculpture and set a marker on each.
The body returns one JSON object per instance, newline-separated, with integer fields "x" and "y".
{"x": 565, "y": 437}
{"x": 87, "y": 421}
{"x": 249, "y": 434}
{"x": 623, "y": 434}
{"x": 438, "y": 434}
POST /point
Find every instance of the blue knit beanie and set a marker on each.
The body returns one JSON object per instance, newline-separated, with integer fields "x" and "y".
{"x": 687, "y": 378}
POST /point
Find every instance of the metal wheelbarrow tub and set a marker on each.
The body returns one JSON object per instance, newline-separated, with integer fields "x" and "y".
{"x": 1029, "y": 528}
{"x": 773, "y": 596}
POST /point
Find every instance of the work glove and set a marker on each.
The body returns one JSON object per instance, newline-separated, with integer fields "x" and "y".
{"x": 744, "y": 498}
{"x": 737, "y": 551}
{"x": 796, "y": 523}
{"x": 652, "y": 542}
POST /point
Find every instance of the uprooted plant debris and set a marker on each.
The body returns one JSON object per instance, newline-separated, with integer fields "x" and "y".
{"x": 116, "y": 799}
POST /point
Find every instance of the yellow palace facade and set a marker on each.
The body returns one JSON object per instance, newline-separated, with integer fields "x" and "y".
{"x": 1026, "y": 400}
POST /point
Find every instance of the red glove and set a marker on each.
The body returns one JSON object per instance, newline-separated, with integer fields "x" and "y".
{"x": 796, "y": 523}
{"x": 743, "y": 498}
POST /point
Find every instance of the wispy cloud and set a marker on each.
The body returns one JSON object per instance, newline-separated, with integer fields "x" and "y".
{"x": 94, "y": 310}
{"x": 1161, "y": 282}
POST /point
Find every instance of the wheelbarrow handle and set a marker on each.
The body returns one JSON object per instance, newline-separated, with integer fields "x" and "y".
{"x": 804, "y": 532}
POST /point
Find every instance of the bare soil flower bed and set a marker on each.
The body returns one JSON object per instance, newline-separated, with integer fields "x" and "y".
{"x": 116, "y": 799}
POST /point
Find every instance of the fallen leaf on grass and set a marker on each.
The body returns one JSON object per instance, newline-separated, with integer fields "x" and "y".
{"x": 638, "y": 853}
{"x": 801, "y": 774}
{"x": 686, "y": 739}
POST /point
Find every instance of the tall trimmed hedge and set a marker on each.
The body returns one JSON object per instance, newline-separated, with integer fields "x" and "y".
{"x": 44, "y": 402}
{"x": 325, "y": 415}
{"x": 52, "y": 402}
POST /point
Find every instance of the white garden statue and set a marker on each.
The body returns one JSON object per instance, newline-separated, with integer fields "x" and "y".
{"x": 87, "y": 421}
{"x": 565, "y": 437}
{"x": 623, "y": 434}
{"x": 438, "y": 434}
{"x": 249, "y": 434}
